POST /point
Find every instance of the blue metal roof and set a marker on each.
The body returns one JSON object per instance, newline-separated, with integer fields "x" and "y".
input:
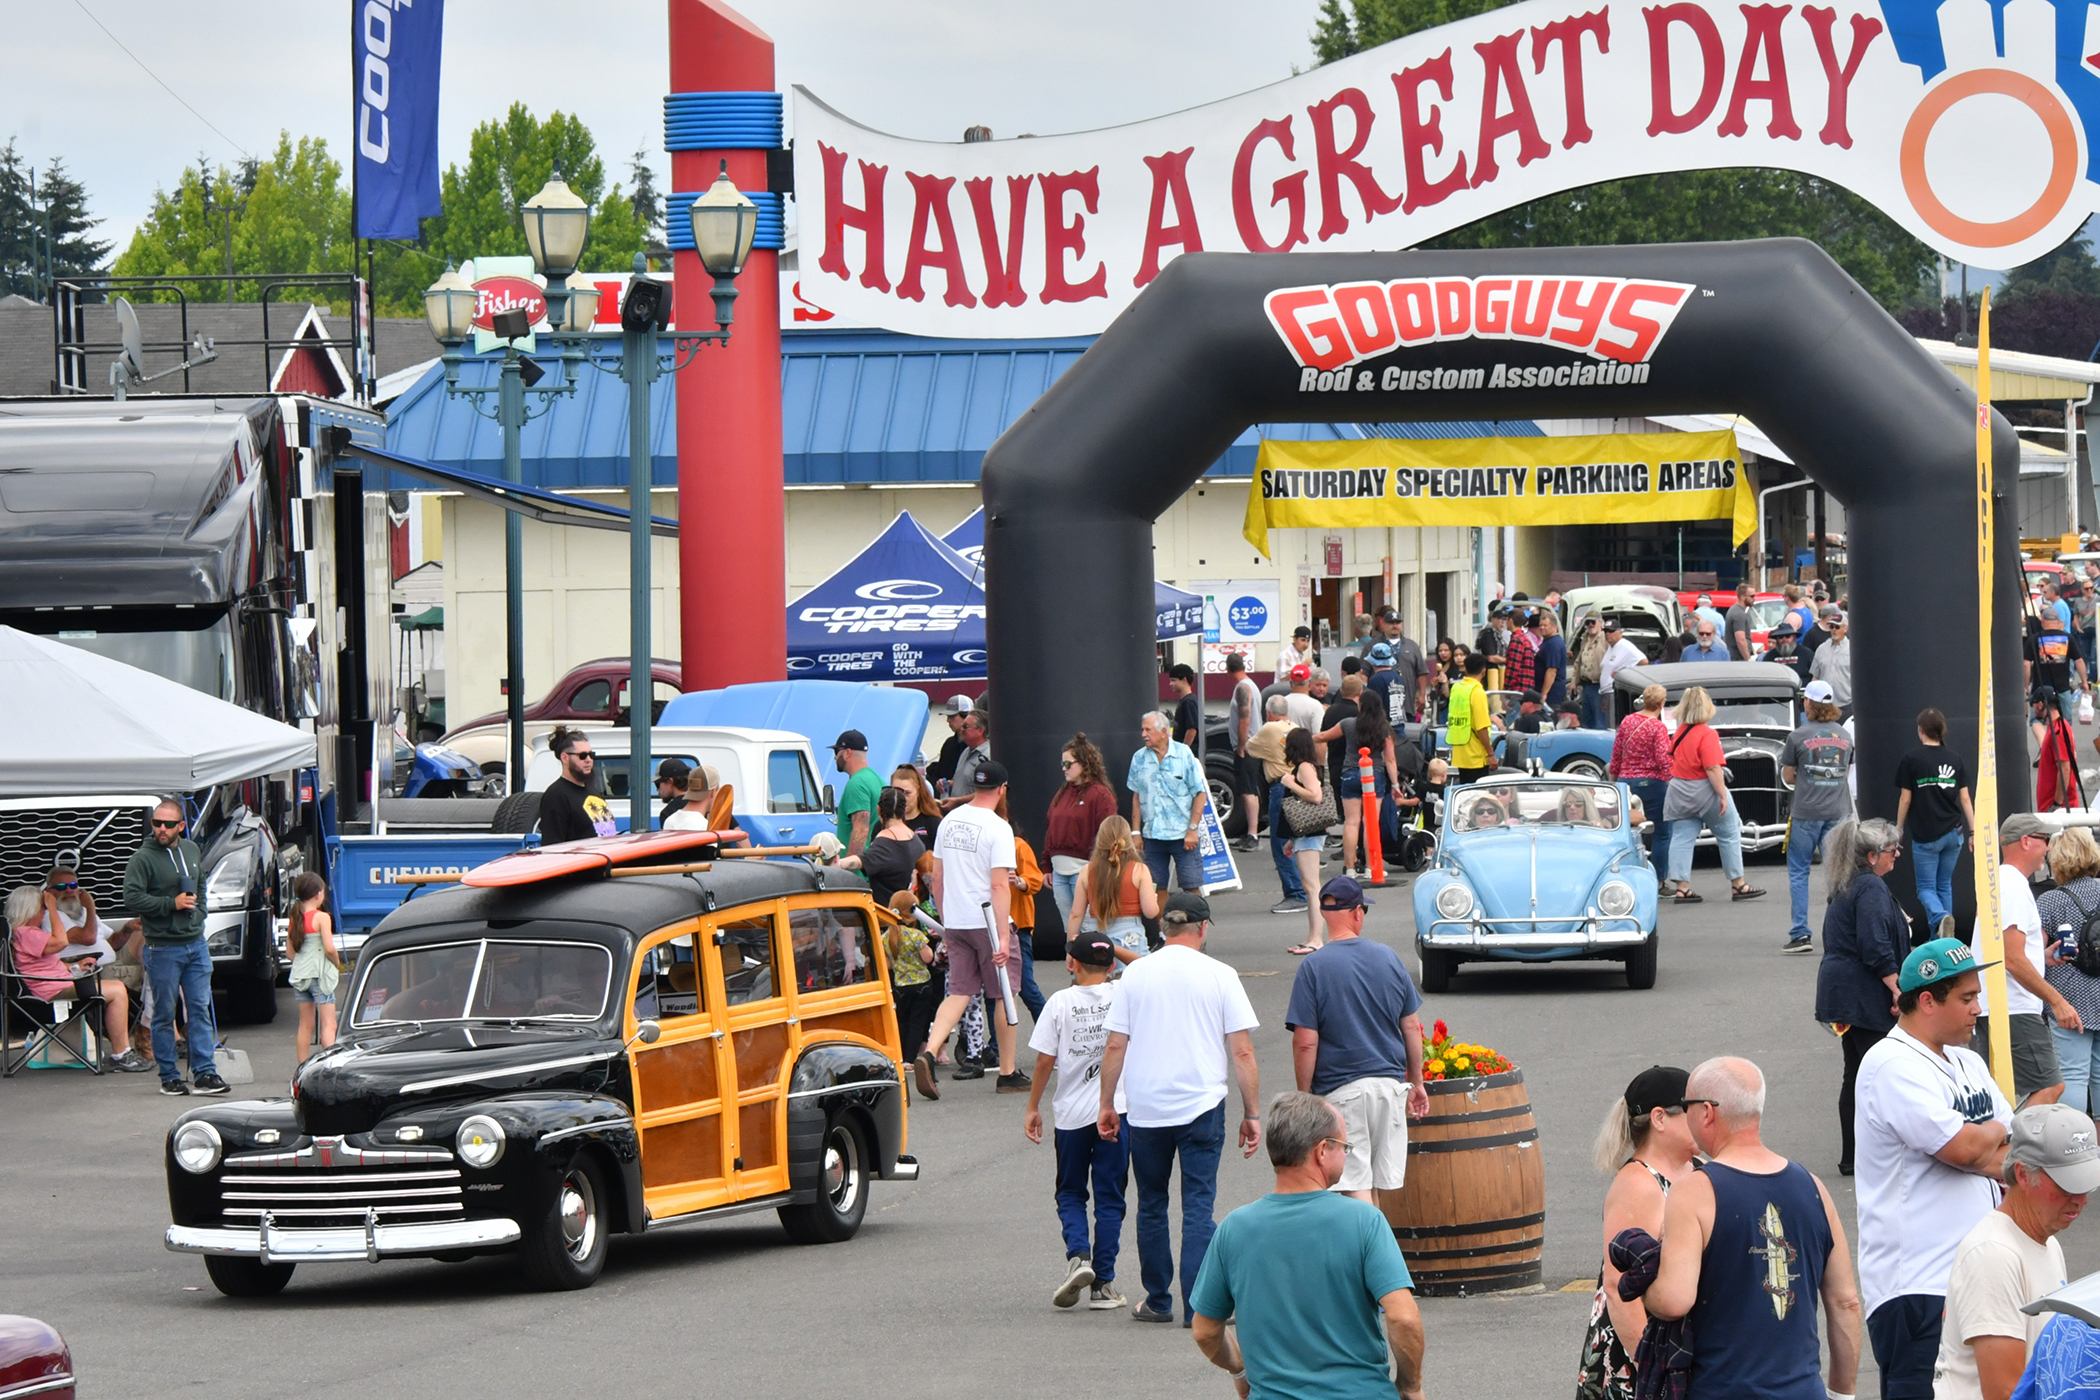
{"x": 867, "y": 407}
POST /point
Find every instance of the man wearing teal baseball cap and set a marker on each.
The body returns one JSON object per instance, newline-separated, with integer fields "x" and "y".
{"x": 1931, "y": 1127}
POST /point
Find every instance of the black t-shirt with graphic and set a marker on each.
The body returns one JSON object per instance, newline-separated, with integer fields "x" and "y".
{"x": 1935, "y": 777}
{"x": 569, "y": 813}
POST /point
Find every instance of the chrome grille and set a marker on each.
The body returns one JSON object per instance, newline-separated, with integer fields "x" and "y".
{"x": 31, "y": 838}
{"x": 329, "y": 1183}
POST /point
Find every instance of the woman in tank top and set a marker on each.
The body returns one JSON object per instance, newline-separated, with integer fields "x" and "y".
{"x": 1114, "y": 890}
{"x": 1647, "y": 1145}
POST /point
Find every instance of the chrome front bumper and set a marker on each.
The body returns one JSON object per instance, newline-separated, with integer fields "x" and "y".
{"x": 1595, "y": 932}
{"x": 370, "y": 1242}
{"x": 1756, "y": 837}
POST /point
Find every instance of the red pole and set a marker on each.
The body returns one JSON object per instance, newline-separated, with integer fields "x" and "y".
{"x": 732, "y": 562}
{"x": 1375, "y": 858}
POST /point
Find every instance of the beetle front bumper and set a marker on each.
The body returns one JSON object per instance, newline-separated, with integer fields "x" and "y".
{"x": 1592, "y": 933}
{"x": 371, "y": 1242}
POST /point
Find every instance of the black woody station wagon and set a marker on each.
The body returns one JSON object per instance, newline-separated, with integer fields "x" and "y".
{"x": 587, "y": 1040}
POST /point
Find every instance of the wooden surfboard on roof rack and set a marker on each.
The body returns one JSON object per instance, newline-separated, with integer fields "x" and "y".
{"x": 595, "y": 854}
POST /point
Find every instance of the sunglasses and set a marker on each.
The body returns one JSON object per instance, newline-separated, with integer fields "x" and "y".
{"x": 168, "y": 826}
{"x": 1686, "y": 1105}
{"x": 582, "y": 755}
{"x": 72, "y": 885}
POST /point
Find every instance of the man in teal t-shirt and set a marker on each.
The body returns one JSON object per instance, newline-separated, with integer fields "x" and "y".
{"x": 863, "y": 788}
{"x": 1307, "y": 1272}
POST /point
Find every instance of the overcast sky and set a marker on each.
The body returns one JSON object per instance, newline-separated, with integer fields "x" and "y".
{"x": 923, "y": 68}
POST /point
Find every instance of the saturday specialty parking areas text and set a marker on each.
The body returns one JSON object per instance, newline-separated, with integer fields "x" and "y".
{"x": 1598, "y": 479}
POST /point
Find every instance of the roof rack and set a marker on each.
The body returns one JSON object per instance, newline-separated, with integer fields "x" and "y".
{"x": 632, "y": 853}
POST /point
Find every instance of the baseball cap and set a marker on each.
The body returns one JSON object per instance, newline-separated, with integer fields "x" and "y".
{"x": 1092, "y": 948}
{"x": 1302, "y": 632}
{"x": 1936, "y": 962}
{"x": 1531, "y": 697}
{"x": 1388, "y": 614}
{"x": 1185, "y": 908}
{"x": 1381, "y": 655}
{"x": 2022, "y": 824}
{"x": 1343, "y": 893}
{"x": 959, "y": 704}
{"x": 1611, "y": 624}
{"x": 1820, "y": 692}
{"x": 1828, "y": 610}
{"x": 1658, "y": 1086}
{"x": 2059, "y": 1140}
{"x": 990, "y": 774}
{"x": 1301, "y": 672}
{"x": 850, "y": 739}
{"x": 671, "y": 769}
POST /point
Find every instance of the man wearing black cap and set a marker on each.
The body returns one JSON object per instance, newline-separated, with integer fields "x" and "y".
{"x": 1356, "y": 1040}
{"x": 856, "y": 810}
{"x": 672, "y": 777}
{"x": 1177, "y": 1032}
{"x": 973, "y": 866}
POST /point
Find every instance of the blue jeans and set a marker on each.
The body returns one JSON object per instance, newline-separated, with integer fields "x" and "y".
{"x": 1030, "y": 995}
{"x": 1728, "y": 835}
{"x": 1083, "y": 1158}
{"x": 1933, "y": 862}
{"x": 2085, "y": 644}
{"x": 1803, "y": 840}
{"x": 2078, "y": 1056}
{"x": 183, "y": 968}
{"x": 1592, "y": 706}
{"x": 1651, "y": 792}
{"x": 1064, "y": 889}
{"x": 1188, "y": 864}
{"x": 1280, "y": 845}
{"x": 1152, "y": 1153}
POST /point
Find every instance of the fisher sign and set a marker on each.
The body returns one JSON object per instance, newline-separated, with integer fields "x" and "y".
{"x": 1604, "y": 479}
{"x": 1970, "y": 123}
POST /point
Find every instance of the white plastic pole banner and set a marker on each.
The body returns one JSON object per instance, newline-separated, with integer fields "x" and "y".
{"x": 1965, "y": 121}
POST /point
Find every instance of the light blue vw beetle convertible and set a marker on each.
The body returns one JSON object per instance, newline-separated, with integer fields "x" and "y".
{"x": 1537, "y": 870}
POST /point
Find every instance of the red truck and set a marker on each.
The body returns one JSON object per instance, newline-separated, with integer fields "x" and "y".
{"x": 592, "y": 696}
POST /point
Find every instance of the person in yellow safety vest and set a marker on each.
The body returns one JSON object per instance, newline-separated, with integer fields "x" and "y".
{"x": 1469, "y": 729}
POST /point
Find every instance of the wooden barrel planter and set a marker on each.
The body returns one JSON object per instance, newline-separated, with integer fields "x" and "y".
{"x": 1472, "y": 1216}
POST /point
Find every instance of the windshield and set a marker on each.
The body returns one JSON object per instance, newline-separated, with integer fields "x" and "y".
{"x": 485, "y": 979}
{"x": 1489, "y": 806}
{"x": 1769, "y": 714}
{"x": 201, "y": 660}
{"x": 1768, "y": 611}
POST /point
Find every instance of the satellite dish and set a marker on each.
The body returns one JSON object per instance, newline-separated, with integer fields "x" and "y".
{"x": 134, "y": 339}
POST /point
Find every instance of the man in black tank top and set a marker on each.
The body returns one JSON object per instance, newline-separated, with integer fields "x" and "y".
{"x": 1750, "y": 1241}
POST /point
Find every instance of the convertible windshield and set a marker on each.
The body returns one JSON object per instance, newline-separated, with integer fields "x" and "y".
{"x": 1772, "y": 713}
{"x": 486, "y": 979}
{"x": 1488, "y": 806}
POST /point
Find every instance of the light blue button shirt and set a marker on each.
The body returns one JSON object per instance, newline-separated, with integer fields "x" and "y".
{"x": 1166, "y": 789}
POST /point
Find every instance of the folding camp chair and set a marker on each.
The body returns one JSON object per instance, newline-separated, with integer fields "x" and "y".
{"x": 20, "y": 1005}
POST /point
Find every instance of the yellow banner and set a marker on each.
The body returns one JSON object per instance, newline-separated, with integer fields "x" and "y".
{"x": 1608, "y": 479}
{"x": 1989, "y": 918}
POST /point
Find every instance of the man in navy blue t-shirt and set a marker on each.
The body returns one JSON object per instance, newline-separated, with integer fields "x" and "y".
{"x": 1356, "y": 1040}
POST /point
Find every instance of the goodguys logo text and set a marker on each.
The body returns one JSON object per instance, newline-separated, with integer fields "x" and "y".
{"x": 1617, "y": 322}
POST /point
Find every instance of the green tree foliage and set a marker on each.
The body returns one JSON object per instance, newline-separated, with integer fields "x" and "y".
{"x": 287, "y": 214}
{"x": 44, "y": 226}
{"x": 1694, "y": 205}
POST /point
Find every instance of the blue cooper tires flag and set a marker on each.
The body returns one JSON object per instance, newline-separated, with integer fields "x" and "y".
{"x": 395, "y": 53}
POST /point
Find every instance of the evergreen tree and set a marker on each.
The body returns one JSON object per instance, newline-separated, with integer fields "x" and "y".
{"x": 648, "y": 204}
{"x": 44, "y": 227}
{"x": 1680, "y": 206}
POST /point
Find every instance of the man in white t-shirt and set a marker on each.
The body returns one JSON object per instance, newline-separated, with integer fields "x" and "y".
{"x": 1070, "y": 1038}
{"x": 1178, "y": 1027}
{"x": 2012, "y": 1258}
{"x": 973, "y": 866}
{"x": 2023, "y": 844}
{"x": 1931, "y": 1128}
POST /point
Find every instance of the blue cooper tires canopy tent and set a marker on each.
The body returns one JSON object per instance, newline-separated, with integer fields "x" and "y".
{"x": 910, "y": 607}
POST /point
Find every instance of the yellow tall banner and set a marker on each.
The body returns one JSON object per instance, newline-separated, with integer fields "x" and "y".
{"x": 1989, "y": 918}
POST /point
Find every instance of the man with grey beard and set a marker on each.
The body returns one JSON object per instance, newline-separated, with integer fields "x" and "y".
{"x": 119, "y": 954}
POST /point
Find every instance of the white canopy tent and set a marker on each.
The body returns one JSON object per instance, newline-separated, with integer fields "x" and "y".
{"x": 79, "y": 724}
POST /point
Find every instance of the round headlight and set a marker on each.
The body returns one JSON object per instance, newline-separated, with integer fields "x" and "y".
{"x": 198, "y": 1147}
{"x": 481, "y": 1141}
{"x": 1454, "y": 901}
{"x": 1615, "y": 900}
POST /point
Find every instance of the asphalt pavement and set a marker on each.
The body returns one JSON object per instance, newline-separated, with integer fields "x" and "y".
{"x": 945, "y": 1292}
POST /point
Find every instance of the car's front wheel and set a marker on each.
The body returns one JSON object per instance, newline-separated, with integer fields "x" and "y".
{"x": 842, "y": 1189}
{"x": 1640, "y": 964}
{"x": 238, "y": 1276}
{"x": 1436, "y": 970}
{"x": 565, "y": 1248}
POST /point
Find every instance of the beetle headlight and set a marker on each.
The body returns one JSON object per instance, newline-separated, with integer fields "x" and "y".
{"x": 198, "y": 1147}
{"x": 1615, "y": 900}
{"x": 481, "y": 1141}
{"x": 1454, "y": 901}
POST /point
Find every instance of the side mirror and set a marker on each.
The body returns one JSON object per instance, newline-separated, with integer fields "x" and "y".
{"x": 831, "y": 801}
{"x": 647, "y": 1033}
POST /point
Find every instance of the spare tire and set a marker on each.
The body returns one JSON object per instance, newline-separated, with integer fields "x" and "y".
{"x": 516, "y": 815}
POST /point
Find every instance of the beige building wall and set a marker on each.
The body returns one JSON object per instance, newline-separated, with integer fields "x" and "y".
{"x": 576, "y": 579}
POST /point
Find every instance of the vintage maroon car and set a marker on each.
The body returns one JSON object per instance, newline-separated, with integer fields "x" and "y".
{"x": 33, "y": 1360}
{"x": 594, "y": 695}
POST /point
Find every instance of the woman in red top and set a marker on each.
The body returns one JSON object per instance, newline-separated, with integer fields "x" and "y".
{"x": 1698, "y": 796}
{"x": 1640, "y": 754}
{"x": 1076, "y": 813}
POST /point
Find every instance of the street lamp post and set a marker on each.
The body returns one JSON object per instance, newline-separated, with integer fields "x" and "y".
{"x": 724, "y": 224}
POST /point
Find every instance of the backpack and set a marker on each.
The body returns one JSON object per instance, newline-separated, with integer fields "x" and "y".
{"x": 2087, "y": 956}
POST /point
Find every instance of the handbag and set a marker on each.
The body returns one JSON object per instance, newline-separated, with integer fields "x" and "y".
{"x": 1310, "y": 818}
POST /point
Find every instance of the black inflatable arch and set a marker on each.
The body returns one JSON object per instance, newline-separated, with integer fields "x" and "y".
{"x": 1775, "y": 330}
